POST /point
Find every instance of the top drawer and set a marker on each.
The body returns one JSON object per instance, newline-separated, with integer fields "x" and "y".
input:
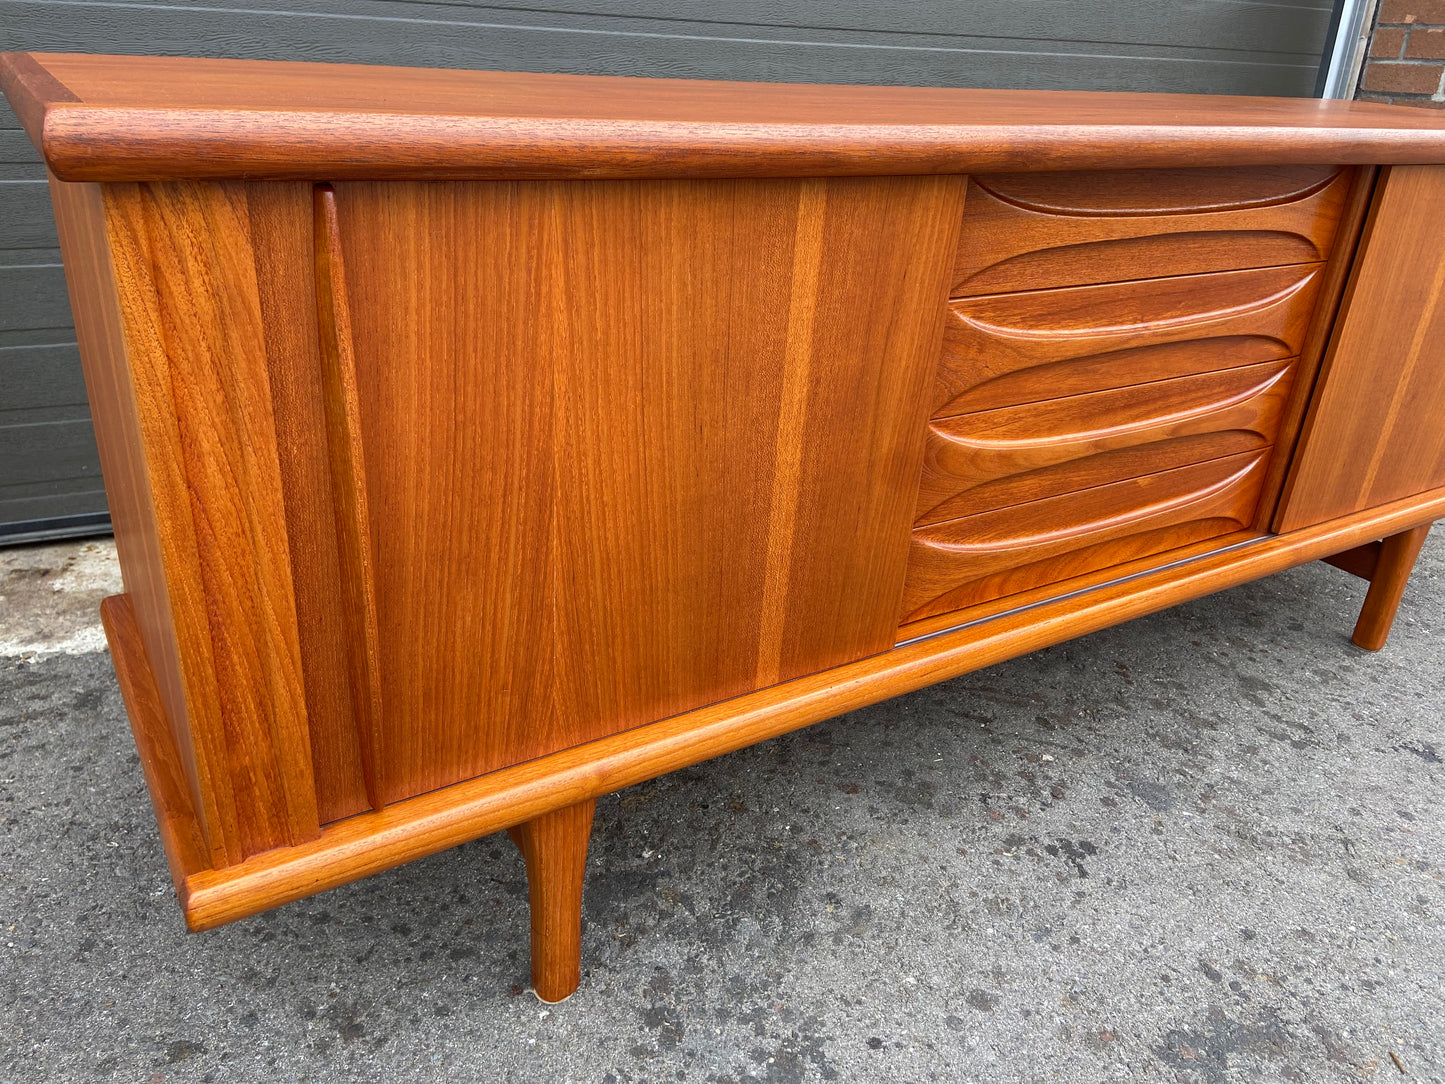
{"x": 1030, "y": 231}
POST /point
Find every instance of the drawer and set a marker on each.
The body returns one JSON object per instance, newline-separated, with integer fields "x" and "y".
{"x": 1028, "y": 231}
{"x": 976, "y": 558}
{"x": 1009, "y": 349}
{"x": 1010, "y": 455}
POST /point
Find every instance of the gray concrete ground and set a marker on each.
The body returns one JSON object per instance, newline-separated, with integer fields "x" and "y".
{"x": 1202, "y": 847}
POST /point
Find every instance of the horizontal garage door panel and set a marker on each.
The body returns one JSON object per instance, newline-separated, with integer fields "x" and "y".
{"x": 32, "y": 293}
{"x": 43, "y": 377}
{"x": 25, "y": 217}
{"x": 1197, "y": 46}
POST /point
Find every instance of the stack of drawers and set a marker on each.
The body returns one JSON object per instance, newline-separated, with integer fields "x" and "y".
{"x": 1119, "y": 354}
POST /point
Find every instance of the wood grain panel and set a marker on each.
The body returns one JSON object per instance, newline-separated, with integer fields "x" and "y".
{"x": 970, "y": 560}
{"x": 281, "y": 222}
{"x": 1327, "y": 302}
{"x": 974, "y": 462}
{"x": 608, "y": 430}
{"x": 116, "y": 411}
{"x": 1160, "y": 562}
{"x": 355, "y": 561}
{"x": 1010, "y": 349}
{"x": 148, "y": 118}
{"x": 187, "y": 277}
{"x": 1030, "y": 231}
{"x": 1374, "y": 432}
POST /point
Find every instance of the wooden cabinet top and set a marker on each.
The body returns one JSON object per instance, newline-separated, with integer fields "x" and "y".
{"x": 128, "y": 118}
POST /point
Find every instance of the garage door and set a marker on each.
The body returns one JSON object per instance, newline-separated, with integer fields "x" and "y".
{"x": 49, "y": 473}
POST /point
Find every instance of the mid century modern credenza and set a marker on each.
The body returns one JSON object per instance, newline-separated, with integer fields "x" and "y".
{"x": 478, "y": 444}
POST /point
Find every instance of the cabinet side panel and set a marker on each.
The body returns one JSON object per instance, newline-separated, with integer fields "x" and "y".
{"x": 188, "y": 282}
{"x": 90, "y": 277}
{"x": 1374, "y": 433}
{"x": 632, "y": 447}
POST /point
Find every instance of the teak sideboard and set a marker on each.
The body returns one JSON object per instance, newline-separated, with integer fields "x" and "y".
{"x": 478, "y": 444}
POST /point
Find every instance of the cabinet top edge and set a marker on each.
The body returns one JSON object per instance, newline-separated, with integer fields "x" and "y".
{"x": 134, "y": 118}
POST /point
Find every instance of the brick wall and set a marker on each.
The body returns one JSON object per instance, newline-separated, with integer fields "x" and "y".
{"x": 1406, "y": 62}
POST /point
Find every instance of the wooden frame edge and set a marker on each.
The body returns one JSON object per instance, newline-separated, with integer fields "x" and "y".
{"x": 180, "y": 829}
{"x": 370, "y": 842}
{"x": 1338, "y": 268}
{"x": 31, "y": 90}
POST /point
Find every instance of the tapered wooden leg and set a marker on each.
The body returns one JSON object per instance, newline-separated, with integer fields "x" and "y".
{"x": 554, "y": 847}
{"x": 1396, "y": 558}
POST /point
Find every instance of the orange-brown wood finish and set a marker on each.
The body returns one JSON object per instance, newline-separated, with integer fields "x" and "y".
{"x": 360, "y": 641}
{"x": 115, "y": 412}
{"x": 1332, "y": 280}
{"x": 994, "y": 458}
{"x": 289, "y": 272}
{"x": 1391, "y": 571}
{"x": 525, "y": 437}
{"x": 1031, "y": 231}
{"x": 1023, "y": 347}
{"x": 1126, "y": 397}
{"x": 189, "y": 292}
{"x": 154, "y": 118}
{"x": 964, "y": 561}
{"x": 627, "y": 425}
{"x": 192, "y": 435}
{"x": 1383, "y": 384}
{"x": 1360, "y": 561}
{"x": 554, "y": 847}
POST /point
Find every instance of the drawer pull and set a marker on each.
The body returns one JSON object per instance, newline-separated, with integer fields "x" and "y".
{"x": 1137, "y": 192}
{"x": 1017, "y": 348}
{"x": 1029, "y": 231}
{"x": 1056, "y": 446}
{"x": 964, "y": 561}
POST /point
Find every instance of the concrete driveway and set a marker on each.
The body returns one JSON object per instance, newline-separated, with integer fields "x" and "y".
{"x": 1204, "y": 847}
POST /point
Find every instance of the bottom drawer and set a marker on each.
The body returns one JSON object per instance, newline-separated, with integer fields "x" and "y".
{"x": 966, "y": 561}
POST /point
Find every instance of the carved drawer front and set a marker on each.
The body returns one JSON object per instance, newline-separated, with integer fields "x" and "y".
{"x": 1009, "y": 455}
{"x": 1010, "y": 349}
{"x": 985, "y": 556}
{"x": 1029, "y": 231}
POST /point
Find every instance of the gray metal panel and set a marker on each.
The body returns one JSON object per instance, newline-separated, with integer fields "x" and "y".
{"x": 41, "y": 377}
{"x": 1208, "y": 46}
{"x": 32, "y": 293}
{"x": 48, "y": 469}
{"x": 25, "y": 218}
{"x": 19, "y": 161}
{"x": 1204, "y": 46}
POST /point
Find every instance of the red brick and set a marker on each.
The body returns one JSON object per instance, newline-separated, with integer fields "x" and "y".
{"x": 1429, "y": 12}
{"x": 1392, "y": 77}
{"x": 1387, "y": 43}
{"x": 1426, "y": 44}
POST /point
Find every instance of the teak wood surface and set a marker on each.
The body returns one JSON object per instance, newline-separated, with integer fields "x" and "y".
{"x": 606, "y": 448}
{"x": 453, "y": 490}
{"x": 1033, "y": 231}
{"x": 155, "y": 118}
{"x": 1382, "y": 391}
